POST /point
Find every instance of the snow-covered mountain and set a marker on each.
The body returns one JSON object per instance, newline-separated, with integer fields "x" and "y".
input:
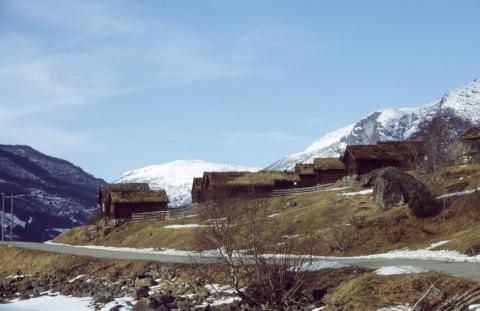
{"x": 176, "y": 177}
{"x": 52, "y": 194}
{"x": 390, "y": 124}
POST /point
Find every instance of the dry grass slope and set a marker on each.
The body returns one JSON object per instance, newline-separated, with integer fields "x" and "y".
{"x": 339, "y": 224}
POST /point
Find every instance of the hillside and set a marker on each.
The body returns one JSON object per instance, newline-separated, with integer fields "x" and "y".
{"x": 176, "y": 177}
{"x": 53, "y": 194}
{"x": 390, "y": 124}
{"x": 339, "y": 214}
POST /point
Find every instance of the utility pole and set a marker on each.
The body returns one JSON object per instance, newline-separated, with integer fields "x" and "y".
{"x": 3, "y": 216}
{"x": 11, "y": 217}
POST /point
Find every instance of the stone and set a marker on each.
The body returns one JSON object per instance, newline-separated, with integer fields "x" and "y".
{"x": 144, "y": 280}
{"x": 290, "y": 204}
{"x": 164, "y": 298}
{"x": 141, "y": 292}
{"x": 149, "y": 304}
{"x": 393, "y": 187}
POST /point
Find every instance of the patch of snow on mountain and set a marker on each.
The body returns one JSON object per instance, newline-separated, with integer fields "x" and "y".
{"x": 329, "y": 139}
{"x": 330, "y": 145}
{"x": 176, "y": 177}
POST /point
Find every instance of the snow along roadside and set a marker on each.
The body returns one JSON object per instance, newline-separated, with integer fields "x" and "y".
{"x": 165, "y": 251}
{"x": 419, "y": 254}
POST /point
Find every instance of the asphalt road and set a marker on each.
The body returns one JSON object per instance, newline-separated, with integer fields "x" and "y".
{"x": 461, "y": 269}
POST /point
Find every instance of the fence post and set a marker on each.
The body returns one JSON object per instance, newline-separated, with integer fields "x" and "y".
{"x": 3, "y": 216}
{"x": 11, "y": 218}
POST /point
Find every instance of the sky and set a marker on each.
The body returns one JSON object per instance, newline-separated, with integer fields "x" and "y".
{"x": 117, "y": 85}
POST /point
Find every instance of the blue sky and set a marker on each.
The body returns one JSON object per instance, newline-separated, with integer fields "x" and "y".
{"x": 117, "y": 85}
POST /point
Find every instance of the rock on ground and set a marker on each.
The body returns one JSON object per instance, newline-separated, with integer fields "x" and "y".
{"x": 393, "y": 187}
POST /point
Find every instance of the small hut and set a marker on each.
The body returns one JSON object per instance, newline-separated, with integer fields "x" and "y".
{"x": 362, "y": 159}
{"x": 307, "y": 174}
{"x": 120, "y": 201}
{"x": 466, "y": 150}
{"x": 328, "y": 170}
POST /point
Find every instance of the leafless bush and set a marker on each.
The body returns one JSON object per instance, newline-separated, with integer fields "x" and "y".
{"x": 358, "y": 222}
{"x": 339, "y": 236}
{"x": 258, "y": 254}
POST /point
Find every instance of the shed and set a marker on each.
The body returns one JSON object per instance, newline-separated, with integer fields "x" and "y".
{"x": 362, "y": 159}
{"x": 120, "y": 201}
{"x": 328, "y": 170}
{"x": 307, "y": 174}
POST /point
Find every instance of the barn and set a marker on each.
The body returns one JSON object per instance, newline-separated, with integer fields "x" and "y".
{"x": 217, "y": 186}
{"x": 328, "y": 170}
{"x": 362, "y": 159}
{"x": 307, "y": 174}
{"x": 120, "y": 201}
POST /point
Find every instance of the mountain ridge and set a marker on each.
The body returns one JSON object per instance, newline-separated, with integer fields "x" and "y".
{"x": 390, "y": 124}
{"x": 52, "y": 194}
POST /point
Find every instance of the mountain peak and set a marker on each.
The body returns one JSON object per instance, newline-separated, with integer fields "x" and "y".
{"x": 390, "y": 124}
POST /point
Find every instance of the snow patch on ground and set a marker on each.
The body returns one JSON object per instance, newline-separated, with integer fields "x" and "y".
{"x": 367, "y": 191}
{"x": 56, "y": 302}
{"x": 218, "y": 302}
{"x": 78, "y": 277}
{"x": 396, "y": 270}
{"x": 320, "y": 265}
{"x": 185, "y": 226}
{"x": 51, "y": 303}
{"x": 165, "y": 251}
{"x": 459, "y": 194}
{"x": 437, "y": 244}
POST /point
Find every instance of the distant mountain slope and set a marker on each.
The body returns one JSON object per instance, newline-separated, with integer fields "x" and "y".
{"x": 52, "y": 194}
{"x": 176, "y": 177}
{"x": 390, "y": 124}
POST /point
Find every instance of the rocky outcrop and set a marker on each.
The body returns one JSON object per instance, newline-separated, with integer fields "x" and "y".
{"x": 393, "y": 187}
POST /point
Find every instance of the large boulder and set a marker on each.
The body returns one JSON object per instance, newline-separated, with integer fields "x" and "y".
{"x": 393, "y": 187}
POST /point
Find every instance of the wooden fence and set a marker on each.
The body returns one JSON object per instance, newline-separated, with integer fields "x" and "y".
{"x": 159, "y": 215}
{"x": 297, "y": 191}
{"x": 171, "y": 213}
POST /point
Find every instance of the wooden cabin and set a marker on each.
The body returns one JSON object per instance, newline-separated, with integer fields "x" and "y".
{"x": 218, "y": 186}
{"x": 307, "y": 174}
{"x": 120, "y": 201}
{"x": 197, "y": 189}
{"x": 328, "y": 170}
{"x": 466, "y": 150}
{"x": 472, "y": 134}
{"x": 362, "y": 159}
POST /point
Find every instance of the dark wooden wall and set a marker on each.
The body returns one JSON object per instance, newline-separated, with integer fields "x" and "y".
{"x": 330, "y": 176}
{"x": 308, "y": 180}
{"x": 125, "y": 210}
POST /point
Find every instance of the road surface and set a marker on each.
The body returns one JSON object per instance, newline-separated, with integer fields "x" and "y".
{"x": 461, "y": 269}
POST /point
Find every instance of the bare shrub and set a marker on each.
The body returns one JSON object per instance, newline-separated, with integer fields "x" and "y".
{"x": 358, "y": 222}
{"x": 339, "y": 237}
{"x": 258, "y": 254}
